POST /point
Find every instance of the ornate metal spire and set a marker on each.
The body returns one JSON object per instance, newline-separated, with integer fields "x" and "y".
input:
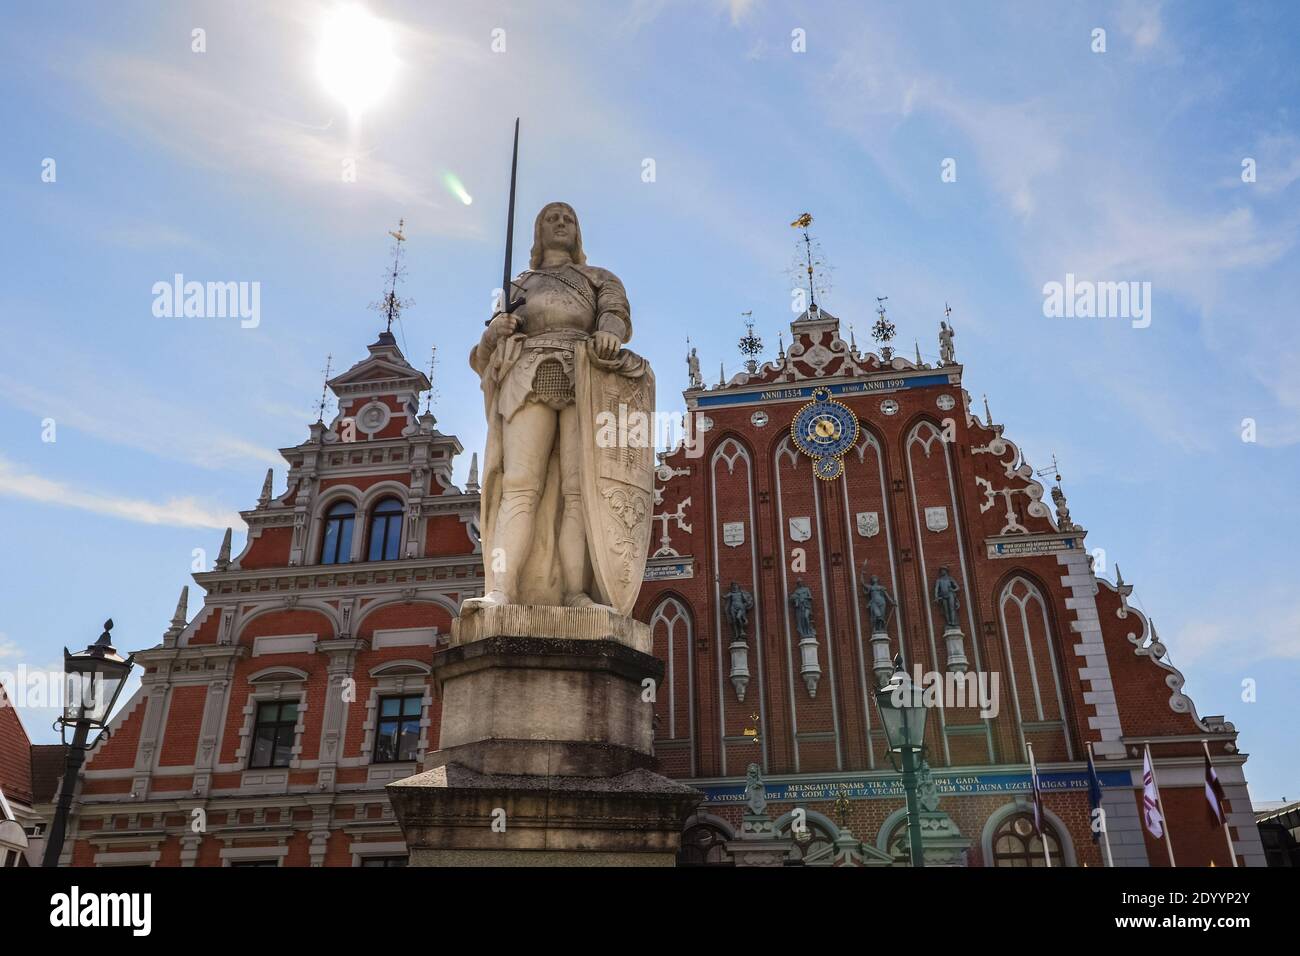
{"x": 883, "y": 331}
{"x": 988, "y": 416}
{"x": 391, "y": 306}
{"x": 813, "y": 263}
{"x": 433, "y": 365}
{"x": 751, "y": 346}
{"x": 324, "y": 389}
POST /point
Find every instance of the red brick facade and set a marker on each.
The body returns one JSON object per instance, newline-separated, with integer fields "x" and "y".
{"x": 178, "y": 782}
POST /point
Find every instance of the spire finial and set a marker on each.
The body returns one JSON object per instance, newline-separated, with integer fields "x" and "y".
{"x": 182, "y": 609}
{"x": 988, "y": 416}
{"x": 918, "y": 351}
{"x": 223, "y": 556}
{"x": 264, "y": 498}
{"x": 471, "y": 485}
{"x": 722, "y": 376}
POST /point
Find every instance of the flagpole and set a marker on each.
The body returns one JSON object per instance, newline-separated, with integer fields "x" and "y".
{"x": 1160, "y": 804}
{"x": 1105, "y": 829}
{"x": 1222, "y": 809}
{"x": 1038, "y": 800}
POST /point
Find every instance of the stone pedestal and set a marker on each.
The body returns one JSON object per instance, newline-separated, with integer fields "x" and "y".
{"x": 941, "y": 841}
{"x": 956, "y": 645}
{"x": 882, "y": 663}
{"x": 546, "y": 741}
{"x": 740, "y": 668}
{"x": 809, "y": 669}
{"x": 758, "y": 843}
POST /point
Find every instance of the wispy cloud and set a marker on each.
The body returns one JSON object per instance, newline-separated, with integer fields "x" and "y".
{"x": 16, "y": 482}
{"x": 121, "y": 415}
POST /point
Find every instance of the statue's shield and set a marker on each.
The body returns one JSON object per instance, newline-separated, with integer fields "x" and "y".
{"x": 616, "y": 401}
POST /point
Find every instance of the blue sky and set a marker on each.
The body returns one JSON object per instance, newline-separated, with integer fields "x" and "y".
{"x": 226, "y": 165}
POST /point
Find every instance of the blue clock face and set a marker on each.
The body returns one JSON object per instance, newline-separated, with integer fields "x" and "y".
{"x": 824, "y": 430}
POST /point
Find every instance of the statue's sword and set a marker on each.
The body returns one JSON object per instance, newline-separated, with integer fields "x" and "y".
{"x": 509, "y": 304}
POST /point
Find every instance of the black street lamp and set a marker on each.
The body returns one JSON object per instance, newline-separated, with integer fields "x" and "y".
{"x": 93, "y": 679}
{"x": 903, "y": 713}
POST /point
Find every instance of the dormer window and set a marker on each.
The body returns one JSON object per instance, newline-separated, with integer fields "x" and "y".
{"x": 385, "y": 530}
{"x": 336, "y": 545}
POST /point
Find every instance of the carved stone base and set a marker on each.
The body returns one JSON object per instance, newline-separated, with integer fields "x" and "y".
{"x": 546, "y": 755}
{"x": 941, "y": 840}
{"x": 882, "y": 663}
{"x": 955, "y": 642}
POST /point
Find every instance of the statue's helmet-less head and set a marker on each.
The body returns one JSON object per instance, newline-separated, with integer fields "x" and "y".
{"x": 557, "y": 226}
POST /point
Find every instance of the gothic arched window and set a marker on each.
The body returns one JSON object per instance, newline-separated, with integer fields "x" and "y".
{"x": 1016, "y": 844}
{"x": 336, "y": 543}
{"x": 385, "y": 530}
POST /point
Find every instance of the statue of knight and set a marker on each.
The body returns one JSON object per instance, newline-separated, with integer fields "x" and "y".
{"x": 565, "y": 519}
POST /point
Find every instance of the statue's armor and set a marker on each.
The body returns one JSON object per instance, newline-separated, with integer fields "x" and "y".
{"x": 563, "y": 307}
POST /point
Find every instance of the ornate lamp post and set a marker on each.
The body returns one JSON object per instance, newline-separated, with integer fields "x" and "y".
{"x": 903, "y": 714}
{"x": 93, "y": 679}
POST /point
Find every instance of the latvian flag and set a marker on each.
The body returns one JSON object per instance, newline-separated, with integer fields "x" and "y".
{"x": 1214, "y": 795}
{"x": 1151, "y": 816}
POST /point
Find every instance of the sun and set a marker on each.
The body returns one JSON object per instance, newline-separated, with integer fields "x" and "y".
{"x": 355, "y": 61}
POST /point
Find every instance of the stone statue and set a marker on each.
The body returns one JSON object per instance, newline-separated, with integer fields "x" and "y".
{"x": 879, "y": 604}
{"x": 947, "y": 354}
{"x": 755, "y": 793}
{"x": 565, "y": 514}
{"x": 736, "y": 603}
{"x": 802, "y": 602}
{"x": 693, "y": 370}
{"x": 927, "y": 789}
{"x": 945, "y": 595}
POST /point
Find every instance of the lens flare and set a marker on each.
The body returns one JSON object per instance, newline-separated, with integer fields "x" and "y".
{"x": 455, "y": 187}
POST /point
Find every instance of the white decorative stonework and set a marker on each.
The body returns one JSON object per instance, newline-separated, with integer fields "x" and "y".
{"x": 868, "y": 524}
{"x": 733, "y": 533}
{"x": 945, "y": 402}
{"x": 758, "y": 419}
{"x": 373, "y": 417}
{"x": 936, "y": 518}
{"x": 889, "y": 407}
{"x": 800, "y": 529}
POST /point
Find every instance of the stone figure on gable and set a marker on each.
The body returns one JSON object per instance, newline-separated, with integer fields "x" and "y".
{"x": 565, "y": 521}
{"x": 693, "y": 370}
{"x": 947, "y": 353}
